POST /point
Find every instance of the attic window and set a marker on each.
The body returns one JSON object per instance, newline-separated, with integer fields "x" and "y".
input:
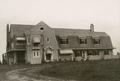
{"x": 83, "y": 41}
{"x": 96, "y": 41}
{"x": 63, "y": 40}
{"x": 41, "y": 28}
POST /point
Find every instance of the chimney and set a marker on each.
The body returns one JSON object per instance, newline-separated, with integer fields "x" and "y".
{"x": 7, "y": 36}
{"x": 92, "y": 27}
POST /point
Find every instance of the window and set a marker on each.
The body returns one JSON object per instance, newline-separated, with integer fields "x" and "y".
{"x": 96, "y": 41}
{"x": 93, "y": 52}
{"x": 36, "y": 54}
{"x": 106, "y": 52}
{"x": 20, "y": 42}
{"x": 83, "y": 41}
{"x": 36, "y": 44}
{"x": 78, "y": 53}
{"x": 64, "y": 40}
{"x": 48, "y": 40}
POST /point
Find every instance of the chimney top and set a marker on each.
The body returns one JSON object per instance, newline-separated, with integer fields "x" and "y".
{"x": 92, "y": 27}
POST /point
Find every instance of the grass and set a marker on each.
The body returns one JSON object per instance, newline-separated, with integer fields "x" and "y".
{"x": 5, "y": 68}
{"x": 106, "y": 70}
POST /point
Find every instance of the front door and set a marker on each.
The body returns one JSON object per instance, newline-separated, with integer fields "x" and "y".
{"x": 20, "y": 57}
{"x": 48, "y": 56}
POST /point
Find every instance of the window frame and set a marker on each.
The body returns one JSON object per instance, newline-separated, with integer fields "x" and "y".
{"x": 106, "y": 52}
{"x": 82, "y": 40}
{"x": 36, "y": 44}
{"x": 63, "y": 40}
{"x": 36, "y": 54}
{"x": 96, "y": 41}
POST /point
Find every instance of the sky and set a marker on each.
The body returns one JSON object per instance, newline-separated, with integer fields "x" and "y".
{"x": 78, "y": 14}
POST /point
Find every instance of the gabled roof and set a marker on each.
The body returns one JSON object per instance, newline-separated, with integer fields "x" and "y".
{"x": 42, "y": 24}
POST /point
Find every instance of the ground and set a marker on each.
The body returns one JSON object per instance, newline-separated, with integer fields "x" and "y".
{"x": 106, "y": 70}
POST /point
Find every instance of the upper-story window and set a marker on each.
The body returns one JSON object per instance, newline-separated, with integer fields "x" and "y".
{"x": 48, "y": 40}
{"x": 83, "y": 41}
{"x": 96, "y": 41}
{"x": 36, "y": 44}
{"x": 63, "y": 40}
{"x": 20, "y": 42}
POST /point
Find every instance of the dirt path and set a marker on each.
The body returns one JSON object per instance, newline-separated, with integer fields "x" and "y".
{"x": 26, "y": 74}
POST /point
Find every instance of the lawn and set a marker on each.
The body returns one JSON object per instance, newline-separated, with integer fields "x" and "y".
{"x": 5, "y": 68}
{"x": 102, "y": 70}
{"x": 106, "y": 70}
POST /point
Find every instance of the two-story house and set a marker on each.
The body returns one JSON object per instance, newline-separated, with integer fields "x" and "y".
{"x": 40, "y": 43}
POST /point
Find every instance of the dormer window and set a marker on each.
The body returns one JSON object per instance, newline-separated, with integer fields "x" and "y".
{"x": 63, "y": 40}
{"x": 96, "y": 40}
{"x": 83, "y": 40}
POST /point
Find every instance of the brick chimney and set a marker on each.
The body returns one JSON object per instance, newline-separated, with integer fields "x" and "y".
{"x": 7, "y": 36}
{"x": 92, "y": 27}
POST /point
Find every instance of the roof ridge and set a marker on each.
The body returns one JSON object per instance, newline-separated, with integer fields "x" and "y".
{"x": 70, "y": 29}
{"x": 22, "y": 24}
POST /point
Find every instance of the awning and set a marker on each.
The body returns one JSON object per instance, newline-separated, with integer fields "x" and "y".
{"x": 20, "y": 38}
{"x": 67, "y": 51}
{"x": 36, "y": 40}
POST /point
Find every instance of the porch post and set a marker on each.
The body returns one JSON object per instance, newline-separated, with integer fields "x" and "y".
{"x": 15, "y": 58}
{"x": 85, "y": 54}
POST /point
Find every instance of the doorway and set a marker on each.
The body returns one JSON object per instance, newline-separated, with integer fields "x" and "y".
{"x": 20, "y": 57}
{"x": 48, "y": 56}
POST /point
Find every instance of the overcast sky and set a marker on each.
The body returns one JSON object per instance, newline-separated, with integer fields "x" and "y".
{"x": 104, "y": 14}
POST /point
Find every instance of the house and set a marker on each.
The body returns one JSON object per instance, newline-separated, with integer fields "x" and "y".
{"x": 35, "y": 44}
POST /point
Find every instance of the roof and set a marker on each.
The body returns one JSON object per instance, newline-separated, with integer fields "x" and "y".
{"x": 77, "y": 32}
{"x": 74, "y": 33}
{"x": 19, "y": 30}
